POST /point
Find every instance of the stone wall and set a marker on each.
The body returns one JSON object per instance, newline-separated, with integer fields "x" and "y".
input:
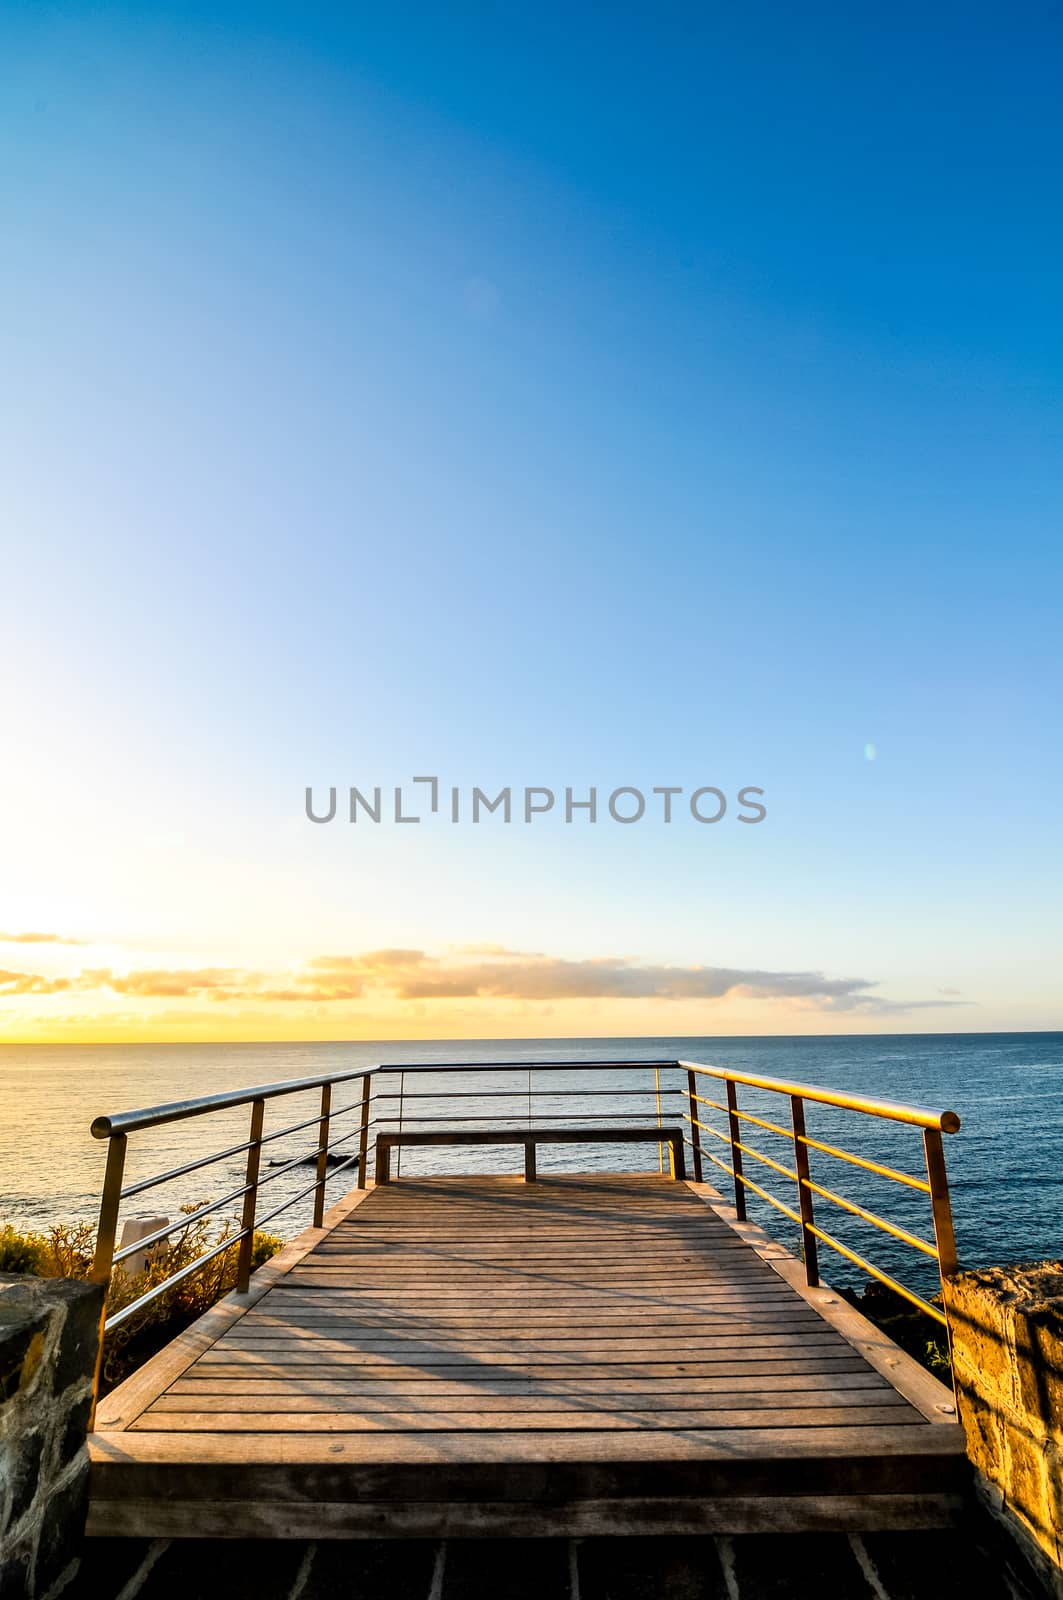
{"x": 49, "y": 1328}
{"x": 1006, "y": 1325}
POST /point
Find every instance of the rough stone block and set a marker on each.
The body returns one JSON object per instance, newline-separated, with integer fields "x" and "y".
{"x": 49, "y": 1329}
{"x": 24, "y": 1473}
{"x": 22, "y": 1339}
{"x": 1007, "y": 1340}
{"x": 76, "y": 1355}
{"x": 61, "y": 1532}
{"x": 73, "y": 1431}
{"x": 16, "y": 1566}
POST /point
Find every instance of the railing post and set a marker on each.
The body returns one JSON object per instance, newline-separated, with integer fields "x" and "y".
{"x": 383, "y": 1159}
{"x": 402, "y": 1108}
{"x": 529, "y": 1161}
{"x": 944, "y": 1237}
{"x": 809, "y": 1243}
{"x": 736, "y": 1154}
{"x": 107, "y": 1231}
{"x": 695, "y": 1131}
{"x": 106, "y": 1234}
{"x": 363, "y": 1142}
{"x": 247, "y": 1223}
{"x": 322, "y": 1153}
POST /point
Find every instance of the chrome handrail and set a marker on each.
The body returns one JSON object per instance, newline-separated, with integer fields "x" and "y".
{"x": 178, "y": 1110}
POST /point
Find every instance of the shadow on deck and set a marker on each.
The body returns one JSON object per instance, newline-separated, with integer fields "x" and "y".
{"x": 473, "y": 1357}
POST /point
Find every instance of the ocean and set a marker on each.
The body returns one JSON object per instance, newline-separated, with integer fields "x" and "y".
{"x": 1005, "y": 1165}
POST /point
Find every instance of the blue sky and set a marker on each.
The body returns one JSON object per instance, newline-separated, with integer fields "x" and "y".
{"x": 566, "y": 396}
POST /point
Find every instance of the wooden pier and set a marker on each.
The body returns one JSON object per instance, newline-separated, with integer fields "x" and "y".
{"x": 585, "y": 1354}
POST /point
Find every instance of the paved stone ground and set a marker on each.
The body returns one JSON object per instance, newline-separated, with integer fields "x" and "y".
{"x": 973, "y": 1563}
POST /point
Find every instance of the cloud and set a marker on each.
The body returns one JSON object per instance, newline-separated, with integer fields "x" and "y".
{"x": 513, "y": 975}
{"x": 38, "y": 938}
{"x": 215, "y": 982}
{"x": 481, "y": 972}
{"x": 494, "y": 972}
{"x": 30, "y": 983}
{"x": 372, "y": 959}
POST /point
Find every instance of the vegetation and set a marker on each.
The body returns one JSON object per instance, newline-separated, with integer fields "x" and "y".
{"x": 66, "y": 1251}
{"x": 906, "y": 1325}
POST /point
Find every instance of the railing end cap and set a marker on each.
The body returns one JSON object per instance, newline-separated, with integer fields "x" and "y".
{"x": 101, "y": 1128}
{"x": 950, "y": 1122}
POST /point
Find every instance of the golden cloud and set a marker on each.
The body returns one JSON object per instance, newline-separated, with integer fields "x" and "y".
{"x": 30, "y": 983}
{"x": 476, "y": 973}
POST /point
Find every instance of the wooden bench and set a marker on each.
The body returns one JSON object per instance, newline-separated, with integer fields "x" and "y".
{"x": 529, "y": 1138}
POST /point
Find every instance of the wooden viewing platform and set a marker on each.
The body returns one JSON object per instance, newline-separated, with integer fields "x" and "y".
{"x": 584, "y": 1354}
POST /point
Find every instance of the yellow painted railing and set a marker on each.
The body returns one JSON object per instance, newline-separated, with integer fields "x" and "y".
{"x": 942, "y": 1248}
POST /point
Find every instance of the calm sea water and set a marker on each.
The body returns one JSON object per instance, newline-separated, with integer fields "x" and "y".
{"x": 1005, "y": 1165}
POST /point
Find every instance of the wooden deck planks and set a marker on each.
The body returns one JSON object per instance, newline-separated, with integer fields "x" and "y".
{"x": 616, "y": 1314}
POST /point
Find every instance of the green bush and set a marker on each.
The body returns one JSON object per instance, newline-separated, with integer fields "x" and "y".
{"x": 66, "y": 1251}
{"x": 23, "y": 1252}
{"x": 130, "y": 1344}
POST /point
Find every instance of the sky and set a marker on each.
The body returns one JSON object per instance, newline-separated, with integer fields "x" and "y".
{"x": 533, "y": 398}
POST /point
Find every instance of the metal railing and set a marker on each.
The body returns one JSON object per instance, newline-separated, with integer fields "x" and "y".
{"x": 117, "y": 1129}
{"x": 933, "y": 1124}
{"x": 375, "y": 1108}
{"x": 379, "y": 1105}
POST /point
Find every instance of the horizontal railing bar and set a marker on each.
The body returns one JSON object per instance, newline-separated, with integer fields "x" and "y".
{"x": 770, "y": 1198}
{"x": 717, "y": 1162}
{"x": 891, "y": 1110}
{"x": 308, "y": 1122}
{"x": 341, "y": 1166}
{"x": 345, "y": 1137}
{"x": 869, "y": 1216}
{"x": 168, "y": 1283}
{"x": 420, "y": 1138}
{"x": 184, "y": 1221}
{"x": 178, "y": 1110}
{"x": 706, "y": 1127}
{"x": 549, "y": 1116}
{"x": 179, "y": 1172}
{"x": 851, "y": 1255}
{"x": 747, "y": 1116}
{"x": 222, "y": 1155}
{"x": 311, "y": 1155}
{"x": 703, "y": 1100}
{"x": 297, "y": 1161}
{"x": 883, "y": 1277}
{"x": 278, "y": 1172}
{"x": 522, "y": 1094}
{"x": 260, "y": 1222}
{"x": 748, "y": 1150}
{"x": 297, "y": 1127}
{"x": 175, "y": 1111}
{"x": 869, "y": 1166}
{"x": 523, "y": 1066}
